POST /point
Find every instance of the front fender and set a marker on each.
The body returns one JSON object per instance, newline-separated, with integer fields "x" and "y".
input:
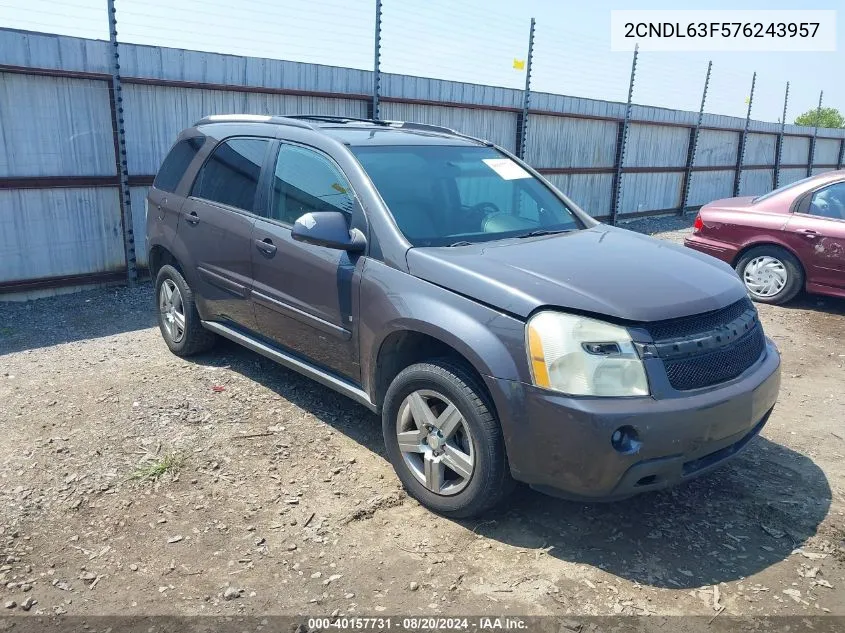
{"x": 391, "y": 300}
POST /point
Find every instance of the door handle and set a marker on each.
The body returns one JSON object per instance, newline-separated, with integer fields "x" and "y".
{"x": 266, "y": 246}
{"x": 192, "y": 218}
{"x": 809, "y": 233}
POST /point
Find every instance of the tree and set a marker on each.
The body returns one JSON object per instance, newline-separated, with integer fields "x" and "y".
{"x": 826, "y": 117}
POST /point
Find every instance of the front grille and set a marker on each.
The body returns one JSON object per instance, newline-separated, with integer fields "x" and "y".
{"x": 710, "y": 348}
{"x": 717, "y": 366}
{"x": 697, "y": 323}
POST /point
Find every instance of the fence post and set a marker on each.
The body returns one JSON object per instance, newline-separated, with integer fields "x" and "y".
{"x": 811, "y": 155}
{"x": 375, "y": 114}
{"x": 740, "y": 150}
{"x": 621, "y": 142}
{"x": 779, "y": 150}
{"x": 522, "y": 122}
{"x": 119, "y": 137}
{"x": 693, "y": 144}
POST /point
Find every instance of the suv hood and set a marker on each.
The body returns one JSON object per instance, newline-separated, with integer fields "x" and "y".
{"x": 602, "y": 270}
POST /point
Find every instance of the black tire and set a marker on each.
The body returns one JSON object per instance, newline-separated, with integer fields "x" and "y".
{"x": 794, "y": 272}
{"x": 195, "y": 338}
{"x": 491, "y": 481}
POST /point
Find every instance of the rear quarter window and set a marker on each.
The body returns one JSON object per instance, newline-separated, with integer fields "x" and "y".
{"x": 176, "y": 163}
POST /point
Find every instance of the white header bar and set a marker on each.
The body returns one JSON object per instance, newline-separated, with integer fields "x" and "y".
{"x": 715, "y": 30}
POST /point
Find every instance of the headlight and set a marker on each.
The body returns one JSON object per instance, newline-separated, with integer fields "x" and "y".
{"x": 583, "y": 357}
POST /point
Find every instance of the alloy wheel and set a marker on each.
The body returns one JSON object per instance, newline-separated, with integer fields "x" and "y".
{"x": 172, "y": 310}
{"x": 435, "y": 441}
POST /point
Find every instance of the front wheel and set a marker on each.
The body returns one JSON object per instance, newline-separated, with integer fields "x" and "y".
{"x": 444, "y": 441}
{"x": 771, "y": 274}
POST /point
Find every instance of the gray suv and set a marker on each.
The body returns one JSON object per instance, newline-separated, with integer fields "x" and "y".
{"x": 501, "y": 332}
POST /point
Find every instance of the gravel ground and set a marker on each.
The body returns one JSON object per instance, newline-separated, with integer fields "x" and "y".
{"x": 135, "y": 482}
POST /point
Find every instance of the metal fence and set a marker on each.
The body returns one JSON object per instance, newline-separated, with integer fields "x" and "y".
{"x": 84, "y": 125}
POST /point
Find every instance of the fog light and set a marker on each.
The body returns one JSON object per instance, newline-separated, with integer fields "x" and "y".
{"x": 626, "y": 440}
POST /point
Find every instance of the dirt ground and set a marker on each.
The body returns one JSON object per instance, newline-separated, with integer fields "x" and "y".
{"x": 135, "y": 482}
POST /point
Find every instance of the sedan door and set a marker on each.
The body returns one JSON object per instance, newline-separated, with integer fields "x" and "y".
{"x": 305, "y": 296}
{"x": 817, "y": 232}
{"x": 216, "y": 228}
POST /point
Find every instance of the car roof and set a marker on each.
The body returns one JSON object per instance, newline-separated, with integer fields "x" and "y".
{"x": 354, "y": 131}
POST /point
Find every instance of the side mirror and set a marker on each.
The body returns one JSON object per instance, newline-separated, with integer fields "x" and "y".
{"x": 329, "y": 229}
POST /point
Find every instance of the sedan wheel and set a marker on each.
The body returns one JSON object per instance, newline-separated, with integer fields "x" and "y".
{"x": 765, "y": 276}
{"x": 435, "y": 442}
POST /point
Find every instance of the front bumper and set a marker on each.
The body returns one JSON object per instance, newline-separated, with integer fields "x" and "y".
{"x": 562, "y": 445}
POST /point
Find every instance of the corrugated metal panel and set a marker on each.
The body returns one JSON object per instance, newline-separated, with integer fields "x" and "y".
{"x": 650, "y": 192}
{"x": 492, "y": 125}
{"x": 706, "y": 186}
{"x": 655, "y": 146}
{"x": 591, "y": 192}
{"x": 716, "y": 148}
{"x": 54, "y": 127}
{"x": 51, "y": 232}
{"x": 155, "y": 115}
{"x": 138, "y": 196}
{"x": 808, "y": 130}
{"x": 791, "y": 175}
{"x": 45, "y": 50}
{"x": 795, "y": 150}
{"x": 760, "y": 149}
{"x": 563, "y": 142}
{"x": 724, "y": 121}
{"x": 827, "y": 151}
{"x": 410, "y": 87}
{"x": 821, "y": 170}
{"x": 576, "y": 105}
{"x": 756, "y": 181}
{"x": 183, "y": 65}
{"x": 663, "y": 115}
{"x": 763, "y": 126}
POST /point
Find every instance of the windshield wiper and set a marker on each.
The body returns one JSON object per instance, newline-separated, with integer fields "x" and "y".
{"x": 544, "y": 232}
{"x": 461, "y": 243}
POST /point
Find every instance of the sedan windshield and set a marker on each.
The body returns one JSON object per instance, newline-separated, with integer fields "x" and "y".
{"x": 443, "y": 195}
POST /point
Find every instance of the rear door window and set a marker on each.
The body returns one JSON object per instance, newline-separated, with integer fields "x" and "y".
{"x": 230, "y": 175}
{"x": 176, "y": 163}
{"x": 829, "y": 202}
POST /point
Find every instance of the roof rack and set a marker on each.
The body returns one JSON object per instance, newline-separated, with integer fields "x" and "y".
{"x": 300, "y": 120}
{"x": 253, "y": 118}
{"x": 330, "y": 118}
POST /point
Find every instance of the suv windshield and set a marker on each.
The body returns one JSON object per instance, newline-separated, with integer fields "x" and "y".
{"x": 443, "y": 195}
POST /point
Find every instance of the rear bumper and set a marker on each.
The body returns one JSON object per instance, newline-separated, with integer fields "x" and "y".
{"x": 562, "y": 445}
{"x": 720, "y": 250}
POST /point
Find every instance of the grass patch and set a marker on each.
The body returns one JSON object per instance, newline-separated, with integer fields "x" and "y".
{"x": 157, "y": 467}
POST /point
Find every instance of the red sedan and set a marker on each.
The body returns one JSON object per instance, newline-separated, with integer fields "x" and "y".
{"x": 780, "y": 243}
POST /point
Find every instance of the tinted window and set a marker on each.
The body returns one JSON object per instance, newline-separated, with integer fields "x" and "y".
{"x": 829, "y": 202}
{"x": 307, "y": 181}
{"x": 176, "y": 162}
{"x": 441, "y": 195}
{"x": 782, "y": 188}
{"x": 230, "y": 175}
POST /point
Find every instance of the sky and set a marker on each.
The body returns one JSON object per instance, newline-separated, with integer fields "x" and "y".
{"x": 471, "y": 40}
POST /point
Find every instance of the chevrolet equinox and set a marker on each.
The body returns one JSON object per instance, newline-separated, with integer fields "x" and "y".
{"x": 501, "y": 332}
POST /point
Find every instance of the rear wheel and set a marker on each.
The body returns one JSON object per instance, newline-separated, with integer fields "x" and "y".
{"x": 178, "y": 318}
{"x": 771, "y": 274}
{"x": 443, "y": 440}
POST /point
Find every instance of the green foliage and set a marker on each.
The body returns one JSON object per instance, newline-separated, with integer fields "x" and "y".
{"x": 826, "y": 117}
